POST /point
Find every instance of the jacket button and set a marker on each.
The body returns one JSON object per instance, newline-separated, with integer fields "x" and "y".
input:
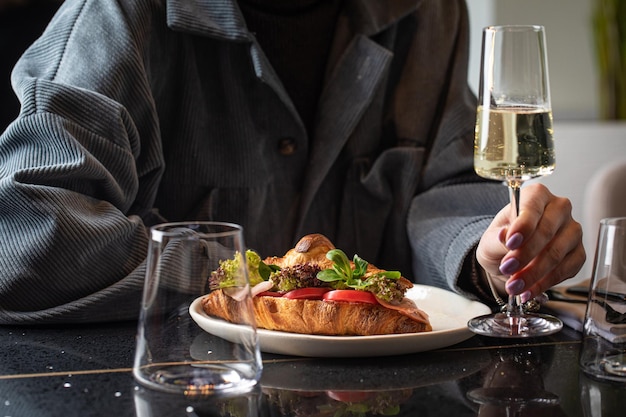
{"x": 286, "y": 146}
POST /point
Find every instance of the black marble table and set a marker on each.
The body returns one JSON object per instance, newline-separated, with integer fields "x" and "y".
{"x": 86, "y": 371}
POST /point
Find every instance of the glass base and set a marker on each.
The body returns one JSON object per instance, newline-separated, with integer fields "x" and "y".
{"x": 195, "y": 380}
{"x": 609, "y": 367}
{"x": 515, "y": 325}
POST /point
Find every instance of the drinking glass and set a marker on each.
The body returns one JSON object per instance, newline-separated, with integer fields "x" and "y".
{"x": 603, "y": 352}
{"x": 513, "y": 142}
{"x": 174, "y": 354}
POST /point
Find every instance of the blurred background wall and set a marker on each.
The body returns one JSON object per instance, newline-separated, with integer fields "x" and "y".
{"x": 571, "y": 57}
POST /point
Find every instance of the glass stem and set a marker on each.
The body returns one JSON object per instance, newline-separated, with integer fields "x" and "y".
{"x": 514, "y": 188}
{"x": 514, "y": 307}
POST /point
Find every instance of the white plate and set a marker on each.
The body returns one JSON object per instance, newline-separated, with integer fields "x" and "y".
{"x": 448, "y": 312}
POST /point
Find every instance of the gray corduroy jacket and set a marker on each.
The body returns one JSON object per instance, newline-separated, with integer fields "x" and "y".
{"x": 136, "y": 112}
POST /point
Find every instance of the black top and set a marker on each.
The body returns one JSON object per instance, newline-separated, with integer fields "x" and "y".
{"x": 20, "y": 25}
{"x": 299, "y": 61}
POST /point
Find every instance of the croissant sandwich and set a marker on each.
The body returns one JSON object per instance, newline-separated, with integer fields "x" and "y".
{"x": 315, "y": 289}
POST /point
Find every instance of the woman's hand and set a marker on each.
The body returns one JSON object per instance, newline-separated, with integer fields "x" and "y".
{"x": 538, "y": 249}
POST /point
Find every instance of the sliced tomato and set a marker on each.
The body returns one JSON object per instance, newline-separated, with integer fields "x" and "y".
{"x": 351, "y": 296}
{"x": 350, "y": 396}
{"x": 309, "y": 293}
{"x": 270, "y": 294}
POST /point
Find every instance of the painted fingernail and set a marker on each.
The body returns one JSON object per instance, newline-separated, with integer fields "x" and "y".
{"x": 509, "y": 266}
{"x": 515, "y": 287}
{"x": 525, "y": 296}
{"x": 515, "y": 241}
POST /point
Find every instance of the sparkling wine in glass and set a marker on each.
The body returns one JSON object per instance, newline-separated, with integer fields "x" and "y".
{"x": 514, "y": 142}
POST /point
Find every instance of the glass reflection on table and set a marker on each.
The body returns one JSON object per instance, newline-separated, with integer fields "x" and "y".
{"x": 514, "y": 386}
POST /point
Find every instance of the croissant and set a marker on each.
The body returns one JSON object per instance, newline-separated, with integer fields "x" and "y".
{"x": 315, "y": 316}
{"x": 320, "y": 317}
{"x": 311, "y": 248}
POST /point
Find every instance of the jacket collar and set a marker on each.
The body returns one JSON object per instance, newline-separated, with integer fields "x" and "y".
{"x": 214, "y": 18}
{"x": 223, "y": 18}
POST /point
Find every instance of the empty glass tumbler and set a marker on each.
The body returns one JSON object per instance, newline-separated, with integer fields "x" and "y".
{"x": 603, "y": 353}
{"x": 175, "y": 353}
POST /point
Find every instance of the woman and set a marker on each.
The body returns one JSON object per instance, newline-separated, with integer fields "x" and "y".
{"x": 349, "y": 118}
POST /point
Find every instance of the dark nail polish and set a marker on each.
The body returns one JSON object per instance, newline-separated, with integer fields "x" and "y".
{"x": 515, "y": 287}
{"x": 509, "y": 266}
{"x": 515, "y": 241}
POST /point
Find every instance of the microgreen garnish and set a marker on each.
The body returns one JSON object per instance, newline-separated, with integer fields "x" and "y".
{"x": 343, "y": 273}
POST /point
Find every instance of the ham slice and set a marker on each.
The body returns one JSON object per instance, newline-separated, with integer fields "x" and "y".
{"x": 407, "y": 308}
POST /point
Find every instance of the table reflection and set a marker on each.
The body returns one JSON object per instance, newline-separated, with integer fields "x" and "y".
{"x": 316, "y": 387}
{"x": 335, "y": 403}
{"x": 602, "y": 398}
{"x": 514, "y": 386}
{"x": 151, "y": 403}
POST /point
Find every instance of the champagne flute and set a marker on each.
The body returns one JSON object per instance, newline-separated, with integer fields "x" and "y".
{"x": 514, "y": 143}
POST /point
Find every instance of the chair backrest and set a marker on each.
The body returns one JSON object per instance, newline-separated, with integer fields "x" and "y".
{"x": 605, "y": 196}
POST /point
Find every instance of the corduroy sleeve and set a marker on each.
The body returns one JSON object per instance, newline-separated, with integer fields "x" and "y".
{"x": 78, "y": 172}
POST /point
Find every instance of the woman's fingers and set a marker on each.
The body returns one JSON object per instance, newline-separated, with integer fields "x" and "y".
{"x": 537, "y": 249}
